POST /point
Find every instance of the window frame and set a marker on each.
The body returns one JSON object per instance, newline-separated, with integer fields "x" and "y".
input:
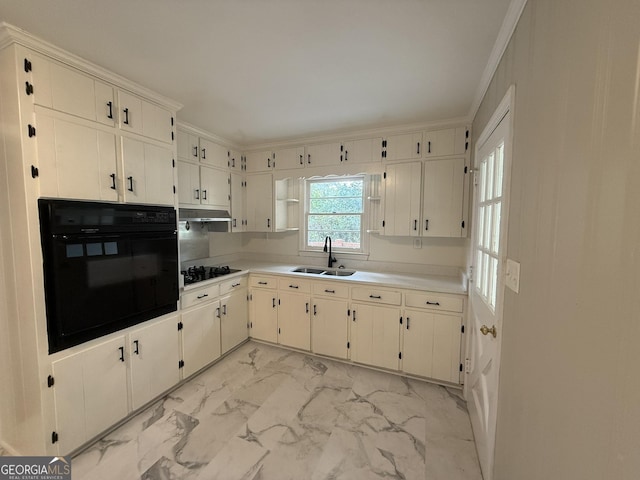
{"x": 305, "y": 212}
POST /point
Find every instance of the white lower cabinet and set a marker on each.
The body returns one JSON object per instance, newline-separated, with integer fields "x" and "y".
{"x": 90, "y": 392}
{"x": 330, "y": 327}
{"x": 375, "y": 335}
{"x": 431, "y": 345}
{"x": 234, "y": 316}
{"x": 200, "y": 336}
{"x": 294, "y": 327}
{"x": 155, "y": 352}
{"x": 264, "y": 315}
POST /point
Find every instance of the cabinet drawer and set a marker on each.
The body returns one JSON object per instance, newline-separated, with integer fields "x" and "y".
{"x": 197, "y": 297}
{"x": 331, "y": 289}
{"x": 231, "y": 285}
{"x": 294, "y": 285}
{"x": 375, "y": 295}
{"x": 435, "y": 301}
{"x": 262, "y": 282}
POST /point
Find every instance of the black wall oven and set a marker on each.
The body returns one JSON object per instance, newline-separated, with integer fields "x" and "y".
{"x": 106, "y": 267}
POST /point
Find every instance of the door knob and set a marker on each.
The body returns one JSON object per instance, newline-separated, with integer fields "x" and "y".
{"x": 486, "y": 330}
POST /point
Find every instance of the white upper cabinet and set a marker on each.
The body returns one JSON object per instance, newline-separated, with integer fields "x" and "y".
{"x": 402, "y": 199}
{"x": 289, "y": 158}
{"x": 259, "y": 206}
{"x": 450, "y": 141}
{"x": 442, "y": 207}
{"x": 213, "y": 153}
{"x": 238, "y": 212}
{"x": 144, "y": 118}
{"x": 188, "y": 147}
{"x": 76, "y": 160}
{"x": 215, "y": 188}
{"x": 406, "y": 146}
{"x": 188, "y": 183}
{"x": 322, "y": 154}
{"x": 367, "y": 150}
{"x": 259, "y": 161}
{"x": 235, "y": 161}
{"x": 148, "y": 173}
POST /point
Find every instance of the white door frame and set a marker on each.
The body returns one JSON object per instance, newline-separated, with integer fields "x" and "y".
{"x": 504, "y": 109}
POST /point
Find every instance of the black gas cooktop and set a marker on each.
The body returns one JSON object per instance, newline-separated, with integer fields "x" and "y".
{"x": 195, "y": 274}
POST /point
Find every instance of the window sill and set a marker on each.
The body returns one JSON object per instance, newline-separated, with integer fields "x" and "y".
{"x": 341, "y": 254}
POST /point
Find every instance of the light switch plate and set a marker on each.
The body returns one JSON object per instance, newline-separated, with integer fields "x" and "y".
{"x": 512, "y": 275}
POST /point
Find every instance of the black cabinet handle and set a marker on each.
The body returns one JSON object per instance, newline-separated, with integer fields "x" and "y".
{"x": 234, "y": 285}
{"x": 301, "y": 161}
{"x": 315, "y": 310}
{"x": 234, "y": 223}
{"x": 408, "y": 320}
{"x": 306, "y": 307}
{"x": 233, "y": 163}
{"x": 426, "y": 224}
{"x": 204, "y": 194}
{"x": 218, "y": 312}
{"x": 428, "y": 147}
{"x": 126, "y": 116}
{"x": 262, "y": 283}
{"x": 274, "y": 302}
{"x": 294, "y": 286}
{"x": 268, "y": 163}
{"x": 121, "y": 353}
{"x": 329, "y": 291}
{"x": 195, "y": 151}
{"x": 268, "y": 223}
{"x": 136, "y": 348}
{"x": 309, "y": 159}
{"x": 434, "y": 303}
{"x": 415, "y": 224}
{"x": 378, "y": 297}
{"x": 113, "y": 181}
{"x": 197, "y": 194}
{"x": 130, "y": 179}
{"x": 346, "y": 155}
{"x": 354, "y": 315}
{"x": 204, "y": 153}
{"x": 110, "y": 114}
{"x": 202, "y": 296}
{"x": 418, "y": 150}
{"x": 224, "y": 309}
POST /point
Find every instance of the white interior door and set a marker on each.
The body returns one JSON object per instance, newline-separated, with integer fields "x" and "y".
{"x": 486, "y": 292}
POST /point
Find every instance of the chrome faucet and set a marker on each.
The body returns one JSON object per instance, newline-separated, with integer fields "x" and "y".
{"x": 331, "y": 257}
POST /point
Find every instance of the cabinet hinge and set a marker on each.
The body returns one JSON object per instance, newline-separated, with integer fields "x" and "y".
{"x": 50, "y": 381}
{"x": 172, "y": 121}
{"x": 27, "y": 65}
{"x": 173, "y": 162}
{"x": 180, "y": 325}
{"x": 384, "y": 154}
{"x": 174, "y": 189}
{"x": 54, "y": 437}
{"x": 400, "y": 320}
{"x": 29, "y": 88}
{"x": 172, "y": 137}
{"x": 34, "y": 172}
{"x": 384, "y": 144}
{"x": 31, "y": 130}
{"x": 462, "y": 328}
{"x": 383, "y": 223}
{"x": 461, "y": 368}
{"x": 400, "y": 355}
{"x": 348, "y": 345}
{"x": 250, "y": 324}
{"x": 384, "y": 175}
{"x": 466, "y": 169}
{"x": 181, "y": 364}
{"x": 348, "y": 312}
{"x": 278, "y": 330}
{"x": 462, "y": 224}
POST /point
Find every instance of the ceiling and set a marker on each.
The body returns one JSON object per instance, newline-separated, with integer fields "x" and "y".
{"x": 255, "y": 71}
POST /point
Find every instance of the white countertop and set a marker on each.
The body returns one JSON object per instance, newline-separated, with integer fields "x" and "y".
{"x": 433, "y": 283}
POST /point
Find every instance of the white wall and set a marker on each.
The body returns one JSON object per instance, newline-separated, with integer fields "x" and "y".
{"x": 569, "y": 402}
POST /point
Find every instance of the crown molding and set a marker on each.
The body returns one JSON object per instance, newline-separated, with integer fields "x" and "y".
{"x": 509, "y": 24}
{"x": 187, "y": 127}
{"x": 10, "y": 34}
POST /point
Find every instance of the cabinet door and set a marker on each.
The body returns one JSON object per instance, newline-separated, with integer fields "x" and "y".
{"x": 450, "y": 141}
{"x": 402, "y": 199}
{"x": 188, "y": 183}
{"x": 130, "y": 112}
{"x": 200, "y": 337}
{"x": 68, "y": 392}
{"x": 154, "y": 352}
{"x": 234, "y": 160}
{"x": 157, "y": 122}
{"x": 214, "y": 184}
{"x": 322, "y": 154}
{"x": 294, "y": 327}
{"x": 375, "y": 335}
{"x": 289, "y": 158}
{"x": 367, "y": 150}
{"x": 259, "y": 205}
{"x": 431, "y": 345}
{"x": 148, "y": 172}
{"x": 264, "y": 315}
{"x": 258, "y": 161}
{"x": 403, "y": 147}
{"x": 213, "y": 154}
{"x": 76, "y": 160}
{"x": 105, "y": 104}
{"x": 443, "y": 193}
{"x": 234, "y": 318}
{"x": 188, "y": 147}
{"x": 237, "y": 203}
{"x": 329, "y": 327}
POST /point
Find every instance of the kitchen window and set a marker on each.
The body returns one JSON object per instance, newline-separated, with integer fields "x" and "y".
{"x": 335, "y": 207}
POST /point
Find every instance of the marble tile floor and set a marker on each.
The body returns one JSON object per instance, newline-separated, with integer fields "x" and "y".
{"x": 265, "y": 413}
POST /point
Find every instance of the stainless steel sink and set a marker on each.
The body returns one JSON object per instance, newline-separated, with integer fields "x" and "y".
{"x": 316, "y": 271}
{"x": 339, "y": 273}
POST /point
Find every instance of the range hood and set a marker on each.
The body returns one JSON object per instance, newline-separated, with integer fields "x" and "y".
{"x": 203, "y": 215}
